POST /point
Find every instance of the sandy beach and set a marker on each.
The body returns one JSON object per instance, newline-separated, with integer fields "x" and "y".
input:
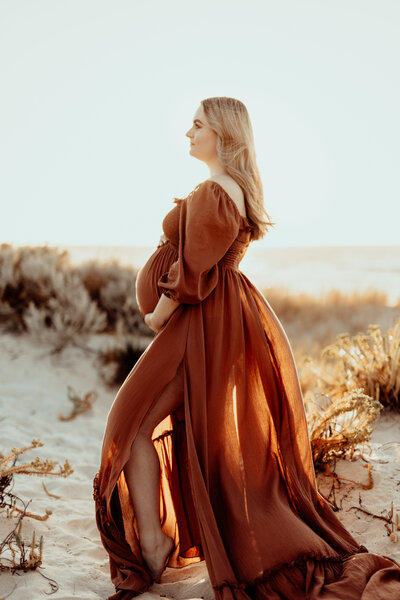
{"x": 33, "y": 393}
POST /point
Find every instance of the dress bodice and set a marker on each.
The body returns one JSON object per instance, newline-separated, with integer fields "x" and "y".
{"x": 213, "y": 218}
{"x": 235, "y": 253}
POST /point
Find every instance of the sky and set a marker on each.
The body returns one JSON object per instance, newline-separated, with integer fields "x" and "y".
{"x": 96, "y": 98}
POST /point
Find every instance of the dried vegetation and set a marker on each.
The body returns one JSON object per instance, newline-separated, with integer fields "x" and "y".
{"x": 368, "y": 360}
{"x": 312, "y": 322}
{"x": 14, "y": 555}
{"x": 42, "y": 294}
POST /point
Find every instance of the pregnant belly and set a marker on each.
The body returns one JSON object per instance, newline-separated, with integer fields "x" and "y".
{"x": 147, "y": 292}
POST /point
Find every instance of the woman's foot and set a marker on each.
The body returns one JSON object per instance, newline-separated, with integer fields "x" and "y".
{"x": 157, "y": 555}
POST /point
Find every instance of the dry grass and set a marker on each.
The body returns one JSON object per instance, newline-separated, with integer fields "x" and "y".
{"x": 312, "y": 322}
{"x": 13, "y": 550}
{"x": 9, "y": 468}
{"x": 345, "y": 389}
{"x": 370, "y": 361}
{"x": 36, "y": 467}
{"x": 15, "y": 545}
{"x": 337, "y": 425}
{"x": 79, "y": 405}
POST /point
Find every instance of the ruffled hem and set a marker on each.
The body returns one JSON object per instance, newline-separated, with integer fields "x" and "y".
{"x": 309, "y": 577}
{"x": 283, "y": 579}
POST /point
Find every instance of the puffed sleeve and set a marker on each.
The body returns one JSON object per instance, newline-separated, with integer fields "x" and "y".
{"x": 208, "y": 225}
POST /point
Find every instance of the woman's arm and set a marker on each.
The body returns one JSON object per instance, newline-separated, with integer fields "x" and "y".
{"x": 162, "y": 312}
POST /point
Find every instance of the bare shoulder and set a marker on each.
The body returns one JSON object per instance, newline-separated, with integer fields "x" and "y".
{"x": 233, "y": 190}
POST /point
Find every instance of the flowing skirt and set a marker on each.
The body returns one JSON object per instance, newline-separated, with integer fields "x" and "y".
{"x": 238, "y": 486}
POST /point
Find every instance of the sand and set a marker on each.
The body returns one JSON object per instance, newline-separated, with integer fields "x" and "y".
{"x": 33, "y": 392}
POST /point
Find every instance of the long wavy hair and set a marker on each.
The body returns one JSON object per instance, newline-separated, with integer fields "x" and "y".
{"x": 230, "y": 120}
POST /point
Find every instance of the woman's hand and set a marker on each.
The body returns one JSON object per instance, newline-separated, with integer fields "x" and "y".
{"x": 162, "y": 313}
{"x": 152, "y": 323}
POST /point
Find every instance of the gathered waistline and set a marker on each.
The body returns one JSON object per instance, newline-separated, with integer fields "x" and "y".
{"x": 226, "y": 261}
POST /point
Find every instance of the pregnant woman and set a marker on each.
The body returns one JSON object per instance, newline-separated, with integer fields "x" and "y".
{"x": 206, "y": 454}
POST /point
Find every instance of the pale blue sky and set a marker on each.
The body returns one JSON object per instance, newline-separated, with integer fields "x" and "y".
{"x": 96, "y": 98}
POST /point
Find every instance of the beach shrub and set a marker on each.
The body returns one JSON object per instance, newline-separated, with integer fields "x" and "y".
{"x": 113, "y": 287}
{"x": 42, "y": 294}
{"x": 370, "y": 361}
{"x": 337, "y": 425}
{"x": 65, "y": 316}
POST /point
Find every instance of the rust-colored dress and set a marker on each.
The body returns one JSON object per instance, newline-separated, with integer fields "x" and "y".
{"x": 238, "y": 486}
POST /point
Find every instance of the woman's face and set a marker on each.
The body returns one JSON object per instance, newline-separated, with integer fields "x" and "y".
{"x": 203, "y": 139}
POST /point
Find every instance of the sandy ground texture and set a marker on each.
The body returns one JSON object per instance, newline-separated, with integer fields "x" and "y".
{"x": 33, "y": 392}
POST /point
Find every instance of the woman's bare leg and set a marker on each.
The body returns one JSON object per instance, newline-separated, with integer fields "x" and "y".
{"x": 142, "y": 473}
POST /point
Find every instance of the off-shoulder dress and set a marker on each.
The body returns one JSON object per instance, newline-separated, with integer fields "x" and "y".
{"x": 238, "y": 486}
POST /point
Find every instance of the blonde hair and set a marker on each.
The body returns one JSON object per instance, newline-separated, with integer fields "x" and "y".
{"x": 230, "y": 120}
